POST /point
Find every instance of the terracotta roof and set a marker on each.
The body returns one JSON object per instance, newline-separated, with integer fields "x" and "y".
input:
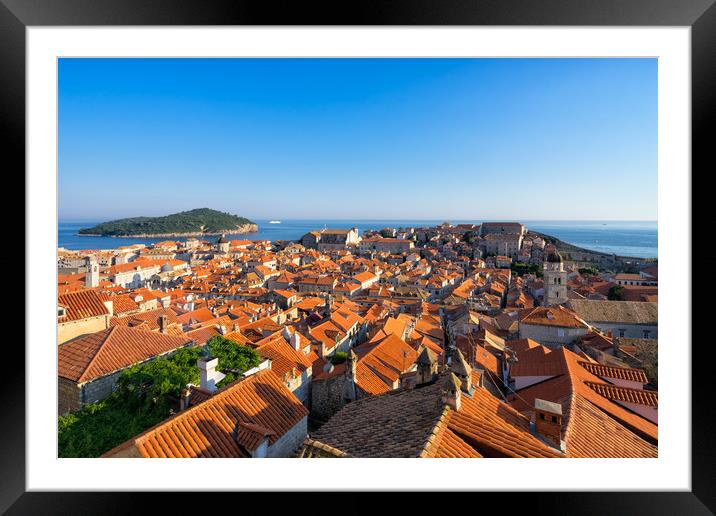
{"x": 123, "y": 304}
{"x": 284, "y": 358}
{"x": 261, "y": 404}
{"x": 81, "y": 304}
{"x": 636, "y": 436}
{"x": 313, "y": 449}
{"x": 619, "y": 373}
{"x": 535, "y": 360}
{"x": 380, "y": 368}
{"x": 553, "y": 316}
{"x": 98, "y": 354}
{"x": 199, "y": 315}
{"x": 202, "y": 335}
{"x": 616, "y": 393}
{"x": 495, "y": 429}
{"x": 593, "y": 433}
{"x": 417, "y": 423}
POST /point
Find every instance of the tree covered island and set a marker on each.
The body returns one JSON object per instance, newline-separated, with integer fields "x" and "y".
{"x": 202, "y": 221}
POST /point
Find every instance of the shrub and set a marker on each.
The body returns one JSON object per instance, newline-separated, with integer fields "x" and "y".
{"x": 339, "y": 357}
{"x": 234, "y": 359}
{"x": 616, "y": 293}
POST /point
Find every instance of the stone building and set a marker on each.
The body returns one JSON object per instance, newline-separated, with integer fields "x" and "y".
{"x": 503, "y": 244}
{"x": 331, "y": 239}
{"x": 88, "y": 367}
{"x": 492, "y": 228}
{"x": 630, "y": 319}
{"x": 553, "y": 326}
{"x": 255, "y": 417}
{"x": 80, "y": 313}
{"x": 446, "y": 414}
{"x": 371, "y": 369}
{"x": 555, "y": 280}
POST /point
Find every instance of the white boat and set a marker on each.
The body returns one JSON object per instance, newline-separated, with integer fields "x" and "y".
{"x": 274, "y": 222}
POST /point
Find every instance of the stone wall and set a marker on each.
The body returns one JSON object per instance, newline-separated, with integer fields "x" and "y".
{"x": 631, "y": 331}
{"x": 68, "y": 396}
{"x": 99, "y": 389}
{"x": 327, "y": 397}
{"x": 71, "y": 329}
{"x": 550, "y": 336}
{"x": 289, "y": 443}
{"x": 301, "y": 387}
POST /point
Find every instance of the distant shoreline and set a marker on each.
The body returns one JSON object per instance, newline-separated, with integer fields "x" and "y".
{"x": 167, "y": 235}
{"x": 566, "y": 247}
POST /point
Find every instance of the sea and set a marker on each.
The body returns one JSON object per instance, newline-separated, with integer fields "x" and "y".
{"x": 623, "y": 238}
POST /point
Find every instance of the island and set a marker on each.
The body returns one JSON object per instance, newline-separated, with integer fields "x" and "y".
{"x": 198, "y": 222}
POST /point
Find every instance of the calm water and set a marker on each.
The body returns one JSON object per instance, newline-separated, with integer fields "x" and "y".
{"x": 622, "y": 238}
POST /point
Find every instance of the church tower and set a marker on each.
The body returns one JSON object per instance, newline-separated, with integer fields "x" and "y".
{"x": 92, "y": 275}
{"x": 555, "y": 280}
{"x": 223, "y": 244}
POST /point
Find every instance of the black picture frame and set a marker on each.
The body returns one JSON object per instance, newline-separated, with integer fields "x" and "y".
{"x": 700, "y": 15}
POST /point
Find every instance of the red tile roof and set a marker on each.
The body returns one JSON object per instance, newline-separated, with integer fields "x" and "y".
{"x": 104, "y": 352}
{"x": 616, "y": 393}
{"x": 285, "y": 360}
{"x": 635, "y": 435}
{"x": 261, "y": 404}
{"x": 81, "y": 304}
{"x": 553, "y": 316}
{"x": 619, "y": 373}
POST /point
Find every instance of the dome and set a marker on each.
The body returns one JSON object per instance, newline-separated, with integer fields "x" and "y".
{"x": 223, "y": 240}
{"x": 554, "y": 257}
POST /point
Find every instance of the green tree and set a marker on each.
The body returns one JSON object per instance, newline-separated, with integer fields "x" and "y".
{"x": 234, "y": 359}
{"x": 586, "y": 271}
{"x": 339, "y": 357}
{"x": 153, "y": 381}
{"x": 469, "y": 237}
{"x": 616, "y": 293}
{"x": 142, "y": 398}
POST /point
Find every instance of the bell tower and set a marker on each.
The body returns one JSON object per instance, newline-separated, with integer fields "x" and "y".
{"x": 92, "y": 275}
{"x": 555, "y": 280}
{"x": 223, "y": 244}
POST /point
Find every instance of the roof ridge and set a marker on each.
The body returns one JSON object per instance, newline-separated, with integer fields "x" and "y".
{"x": 184, "y": 413}
{"x": 437, "y": 427}
{"x": 99, "y": 348}
{"x": 583, "y": 362}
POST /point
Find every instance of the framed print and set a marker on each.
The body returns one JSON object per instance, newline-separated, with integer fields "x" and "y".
{"x": 415, "y": 238}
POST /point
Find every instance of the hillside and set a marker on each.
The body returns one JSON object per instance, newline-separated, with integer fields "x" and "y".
{"x": 203, "y": 221}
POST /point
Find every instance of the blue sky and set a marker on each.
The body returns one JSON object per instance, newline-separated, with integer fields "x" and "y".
{"x": 527, "y": 139}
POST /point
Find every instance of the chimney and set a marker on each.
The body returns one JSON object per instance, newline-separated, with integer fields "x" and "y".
{"x": 296, "y": 341}
{"x": 548, "y": 421}
{"x": 351, "y": 363}
{"x": 185, "y": 399}
{"x": 235, "y": 327}
{"x": 427, "y": 366}
{"x": 261, "y": 450}
{"x": 451, "y": 392}
{"x": 110, "y": 306}
{"x": 208, "y": 375}
{"x": 162, "y": 323}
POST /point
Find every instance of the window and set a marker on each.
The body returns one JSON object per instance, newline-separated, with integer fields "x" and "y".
{"x": 646, "y": 334}
{"x": 621, "y": 333}
{"x": 554, "y": 419}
